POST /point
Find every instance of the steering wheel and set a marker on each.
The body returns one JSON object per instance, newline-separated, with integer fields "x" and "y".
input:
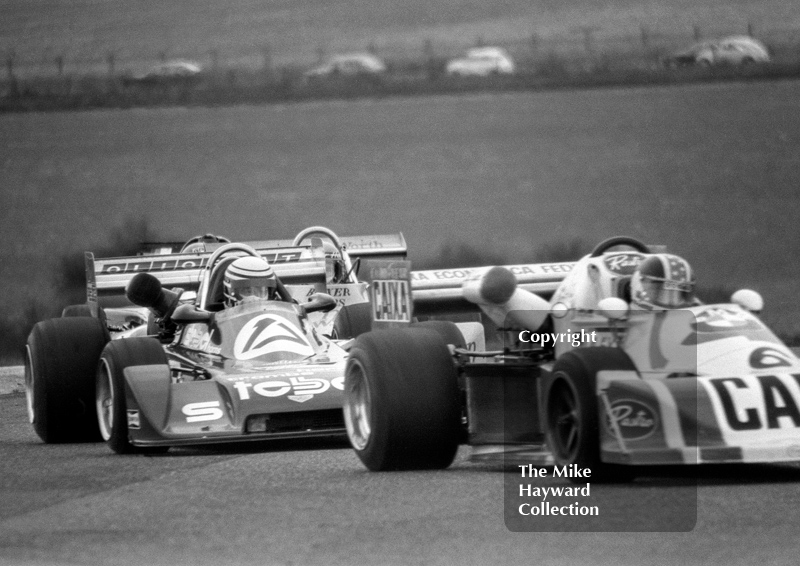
{"x": 211, "y": 238}
{"x": 615, "y": 241}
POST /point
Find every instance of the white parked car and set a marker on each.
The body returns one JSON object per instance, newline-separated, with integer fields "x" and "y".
{"x": 482, "y": 62}
{"x": 349, "y": 64}
{"x": 175, "y": 71}
{"x": 734, "y": 50}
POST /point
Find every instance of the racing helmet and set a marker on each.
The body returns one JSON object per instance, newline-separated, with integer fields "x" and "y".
{"x": 249, "y": 277}
{"x": 335, "y": 269}
{"x": 663, "y": 281}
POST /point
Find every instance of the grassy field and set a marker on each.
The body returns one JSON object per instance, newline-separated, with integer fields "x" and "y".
{"x": 36, "y": 31}
{"x": 712, "y": 171}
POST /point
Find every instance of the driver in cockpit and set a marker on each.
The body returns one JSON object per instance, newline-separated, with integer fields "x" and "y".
{"x": 249, "y": 278}
{"x": 663, "y": 281}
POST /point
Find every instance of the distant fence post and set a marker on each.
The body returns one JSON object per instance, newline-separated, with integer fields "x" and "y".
{"x": 644, "y": 34}
{"x": 533, "y": 42}
{"x": 266, "y": 56}
{"x": 750, "y": 29}
{"x": 588, "y": 41}
{"x": 12, "y": 80}
{"x": 59, "y": 65}
{"x": 430, "y": 60}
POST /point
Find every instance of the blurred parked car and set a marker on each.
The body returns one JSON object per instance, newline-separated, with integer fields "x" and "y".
{"x": 482, "y": 62}
{"x": 734, "y": 50}
{"x": 349, "y": 64}
{"x": 168, "y": 72}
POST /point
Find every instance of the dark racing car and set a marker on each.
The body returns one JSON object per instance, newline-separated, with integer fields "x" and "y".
{"x": 204, "y": 371}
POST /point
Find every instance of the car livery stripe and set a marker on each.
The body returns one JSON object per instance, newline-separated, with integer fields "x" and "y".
{"x": 698, "y": 421}
{"x": 670, "y": 418}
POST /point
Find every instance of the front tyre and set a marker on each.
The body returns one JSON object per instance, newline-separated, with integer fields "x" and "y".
{"x": 110, "y": 401}
{"x": 402, "y": 402}
{"x": 60, "y": 361}
{"x": 571, "y": 410}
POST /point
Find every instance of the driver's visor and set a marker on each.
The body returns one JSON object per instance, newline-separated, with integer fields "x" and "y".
{"x": 260, "y": 292}
{"x": 669, "y": 293}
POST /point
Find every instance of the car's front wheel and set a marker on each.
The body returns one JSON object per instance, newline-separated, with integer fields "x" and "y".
{"x": 572, "y": 418}
{"x": 402, "y": 403}
{"x": 110, "y": 400}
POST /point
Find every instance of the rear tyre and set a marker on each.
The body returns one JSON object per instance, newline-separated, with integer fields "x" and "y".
{"x": 571, "y": 411}
{"x": 76, "y": 310}
{"x": 110, "y": 403}
{"x": 447, "y": 330}
{"x": 60, "y": 361}
{"x": 402, "y": 403}
{"x": 352, "y": 321}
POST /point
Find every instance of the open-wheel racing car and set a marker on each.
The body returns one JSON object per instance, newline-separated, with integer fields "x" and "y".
{"x": 202, "y": 371}
{"x": 612, "y": 386}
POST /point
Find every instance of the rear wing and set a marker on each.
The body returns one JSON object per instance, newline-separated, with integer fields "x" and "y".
{"x": 109, "y": 276}
{"x": 380, "y": 246}
{"x": 438, "y": 291}
{"x": 293, "y": 264}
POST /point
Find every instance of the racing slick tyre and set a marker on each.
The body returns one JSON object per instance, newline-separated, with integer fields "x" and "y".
{"x": 84, "y": 311}
{"x": 110, "y": 402}
{"x": 446, "y": 329}
{"x": 402, "y": 404}
{"x": 352, "y": 321}
{"x": 76, "y": 310}
{"x": 572, "y": 419}
{"x": 60, "y": 364}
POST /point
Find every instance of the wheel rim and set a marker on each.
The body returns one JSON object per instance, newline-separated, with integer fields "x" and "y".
{"x": 104, "y": 400}
{"x": 29, "y": 383}
{"x": 565, "y": 421}
{"x": 357, "y": 406}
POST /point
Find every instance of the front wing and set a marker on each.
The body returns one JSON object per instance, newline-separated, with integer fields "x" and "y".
{"x": 162, "y": 413}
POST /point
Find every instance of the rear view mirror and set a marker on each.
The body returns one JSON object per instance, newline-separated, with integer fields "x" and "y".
{"x": 319, "y": 302}
{"x": 749, "y": 300}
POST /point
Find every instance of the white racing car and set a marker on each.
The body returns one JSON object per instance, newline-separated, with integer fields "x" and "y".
{"x": 583, "y": 378}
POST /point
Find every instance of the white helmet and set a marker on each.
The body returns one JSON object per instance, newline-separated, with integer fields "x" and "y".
{"x": 249, "y": 277}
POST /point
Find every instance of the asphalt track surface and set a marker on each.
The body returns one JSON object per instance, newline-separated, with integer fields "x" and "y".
{"x": 313, "y": 503}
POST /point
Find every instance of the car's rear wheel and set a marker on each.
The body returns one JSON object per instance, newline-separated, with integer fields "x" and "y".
{"x": 76, "y": 310}
{"x": 571, "y": 411}
{"x": 60, "y": 361}
{"x": 402, "y": 402}
{"x": 447, "y": 330}
{"x": 352, "y": 321}
{"x": 110, "y": 401}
